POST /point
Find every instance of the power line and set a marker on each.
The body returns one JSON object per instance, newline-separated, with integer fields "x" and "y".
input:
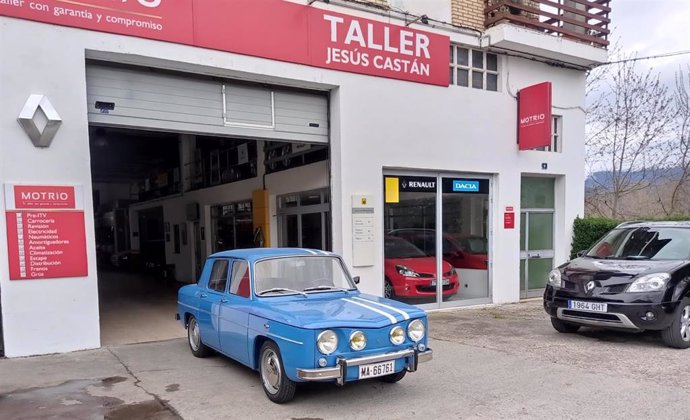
{"x": 649, "y": 57}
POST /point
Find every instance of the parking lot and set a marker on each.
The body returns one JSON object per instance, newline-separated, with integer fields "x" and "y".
{"x": 493, "y": 362}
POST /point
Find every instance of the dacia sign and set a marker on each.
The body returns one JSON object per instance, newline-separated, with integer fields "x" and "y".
{"x": 465, "y": 186}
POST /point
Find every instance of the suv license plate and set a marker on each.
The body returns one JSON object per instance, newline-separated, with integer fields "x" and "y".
{"x": 587, "y": 306}
{"x": 377, "y": 369}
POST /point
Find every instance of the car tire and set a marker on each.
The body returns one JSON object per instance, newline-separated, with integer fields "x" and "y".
{"x": 388, "y": 291}
{"x": 677, "y": 335}
{"x": 564, "y": 327}
{"x": 394, "y": 377}
{"x": 198, "y": 348}
{"x": 277, "y": 386}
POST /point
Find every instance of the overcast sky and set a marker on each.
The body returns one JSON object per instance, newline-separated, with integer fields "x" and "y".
{"x": 651, "y": 27}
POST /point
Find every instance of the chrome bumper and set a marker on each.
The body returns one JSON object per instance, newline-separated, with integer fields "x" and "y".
{"x": 338, "y": 373}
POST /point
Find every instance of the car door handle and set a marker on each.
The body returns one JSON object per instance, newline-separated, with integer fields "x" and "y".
{"x": 223, "y": 300}
{"x": 203, "y": 295}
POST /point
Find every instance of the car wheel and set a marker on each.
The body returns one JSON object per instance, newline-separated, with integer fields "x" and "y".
{"x": 394, "y": 377}
{"x": 677, "y": 335}
{"x": 564, "y": 327}
{"x": 388, "y": 292}
{"x": 198, "y": 348}
{"x": 277, "y": 386}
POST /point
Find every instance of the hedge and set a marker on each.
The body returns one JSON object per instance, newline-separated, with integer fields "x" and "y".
{"x": 587, "y": 231}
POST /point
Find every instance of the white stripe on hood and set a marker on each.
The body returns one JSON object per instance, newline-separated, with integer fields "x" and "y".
{"x": 390, "y": 308}
{"x": 371, "y": 308}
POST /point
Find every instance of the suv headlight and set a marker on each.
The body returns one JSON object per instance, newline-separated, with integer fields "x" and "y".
{"x": 416, "y": 330}
{"x": 407, "y": 272}
{"x": 358, "y": 341}
{"x": 555, "y": 277}
{"x": 649, "y": 283}
{"x": 327, "y": 342}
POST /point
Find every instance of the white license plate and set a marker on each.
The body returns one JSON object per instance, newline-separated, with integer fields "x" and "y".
{"x": 446, "y": 282}
{"x": 587, "y": 306}
{"x": 377, "y": 369}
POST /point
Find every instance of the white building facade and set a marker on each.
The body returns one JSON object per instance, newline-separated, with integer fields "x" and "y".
{"x": 385, "y": 137}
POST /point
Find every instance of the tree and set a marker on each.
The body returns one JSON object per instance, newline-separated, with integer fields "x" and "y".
{"x": 627, "y": 127}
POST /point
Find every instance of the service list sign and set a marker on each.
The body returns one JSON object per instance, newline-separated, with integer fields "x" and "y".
{"x": 45, "y": 232}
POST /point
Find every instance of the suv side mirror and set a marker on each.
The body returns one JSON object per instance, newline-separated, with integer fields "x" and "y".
{"x": 356, "y": 279}
{"x": 581, "y": 253}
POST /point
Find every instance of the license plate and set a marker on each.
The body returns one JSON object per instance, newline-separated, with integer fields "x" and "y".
{"x": 446, "y": 282}
{"x": 587, "y": 306}
{"x": 377, "y": 369}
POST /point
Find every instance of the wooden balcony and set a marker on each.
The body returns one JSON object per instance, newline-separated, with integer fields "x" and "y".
{"x": 580, "y": 20}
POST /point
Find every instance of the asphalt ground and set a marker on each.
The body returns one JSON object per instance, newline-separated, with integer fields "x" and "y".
{"x": 489, "y": 363}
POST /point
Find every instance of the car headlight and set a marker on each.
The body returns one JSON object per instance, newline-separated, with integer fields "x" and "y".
{"x": 397, "y": 335}
{"x": 327, "y": 342}
{"x": 649, "y": 283}
{"x": 404, "y": 271}
{"x": 358, "y": 341}
{"x": 555, "y": 277}
{"x": 415, "y": 330}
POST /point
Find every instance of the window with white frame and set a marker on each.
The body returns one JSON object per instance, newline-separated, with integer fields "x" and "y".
{"x": 556, "y": 135}
{"x": 473, "y": 68}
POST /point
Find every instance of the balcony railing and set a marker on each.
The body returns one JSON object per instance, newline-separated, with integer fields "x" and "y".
{"x": 581, "y": 20}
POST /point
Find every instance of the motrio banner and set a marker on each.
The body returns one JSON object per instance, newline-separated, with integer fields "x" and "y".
{"x": 534, "y": 116}
{"x": 273, "y": 29}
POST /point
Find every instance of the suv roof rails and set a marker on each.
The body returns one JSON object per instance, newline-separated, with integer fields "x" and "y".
{"x": 631, "y": 222}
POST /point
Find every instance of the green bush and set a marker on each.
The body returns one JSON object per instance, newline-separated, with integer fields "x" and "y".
{"x": 589, "y": 230}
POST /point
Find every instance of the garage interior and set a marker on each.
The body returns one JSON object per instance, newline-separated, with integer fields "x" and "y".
{"x": 176, "y": 163}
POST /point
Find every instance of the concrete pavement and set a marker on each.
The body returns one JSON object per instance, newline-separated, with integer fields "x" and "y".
{"x": 499, "y": 362}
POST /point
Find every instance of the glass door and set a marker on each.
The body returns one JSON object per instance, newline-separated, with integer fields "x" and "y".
{"x": 536, "y": 251}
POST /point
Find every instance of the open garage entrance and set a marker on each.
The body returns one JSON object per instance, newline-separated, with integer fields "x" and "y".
{"x": 183, "y": 167}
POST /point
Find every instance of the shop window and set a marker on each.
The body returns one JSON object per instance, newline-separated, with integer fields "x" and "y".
{"x": 220, "y": 160}
{"x": 556, "y": 135}
{"x": 280, "y": 156}
{"x": 232, "y": 226}
{"x": 473, "y": 68}
{"x": 304, "y": 220}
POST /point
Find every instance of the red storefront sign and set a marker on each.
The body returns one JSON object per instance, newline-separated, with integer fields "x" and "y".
{"x": 534, "y": 116}
{"x": 273, "y": 29}
{"x": 45, "y": 232}
{"x": 509, "y": 220}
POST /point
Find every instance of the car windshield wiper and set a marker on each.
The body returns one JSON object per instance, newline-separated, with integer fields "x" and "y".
{"x": 325, "y": 287}
{"x": 281, "y": 289}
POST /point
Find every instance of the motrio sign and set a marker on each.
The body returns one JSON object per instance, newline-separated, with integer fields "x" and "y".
{"x": 534, "y": 116}
{"x": 273, "y": 29}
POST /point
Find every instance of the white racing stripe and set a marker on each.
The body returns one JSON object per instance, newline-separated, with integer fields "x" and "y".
{"x": 371, "y": 308}
{"x": 390, "y": 308}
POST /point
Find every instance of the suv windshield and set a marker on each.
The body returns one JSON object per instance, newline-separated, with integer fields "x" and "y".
{"x": 299, "y": 274}
{"x": 644, "y": 243}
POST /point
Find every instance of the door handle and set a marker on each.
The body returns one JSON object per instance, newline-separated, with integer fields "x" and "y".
{"x": 223, "y": 300}
{"x": 203, "y": 295}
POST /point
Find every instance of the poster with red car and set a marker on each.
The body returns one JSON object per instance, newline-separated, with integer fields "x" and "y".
{"x": 46, "y": 234}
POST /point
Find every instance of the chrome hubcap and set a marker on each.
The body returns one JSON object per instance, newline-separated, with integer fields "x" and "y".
{"x": 387, "y": 290}
{"x": 685, "y": 324}
{"x": 270, "y": 371}
{"x": 194, "y": 337}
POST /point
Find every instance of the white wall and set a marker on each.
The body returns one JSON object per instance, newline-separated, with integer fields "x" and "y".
{"x": 376, "y": 124}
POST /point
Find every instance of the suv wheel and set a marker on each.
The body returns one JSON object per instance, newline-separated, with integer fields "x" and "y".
{"x": 564, "y": 327}
{"x": 677, "y": 335}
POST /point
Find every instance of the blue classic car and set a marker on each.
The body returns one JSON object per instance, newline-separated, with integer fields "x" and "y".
{"x": 295, "y": 315}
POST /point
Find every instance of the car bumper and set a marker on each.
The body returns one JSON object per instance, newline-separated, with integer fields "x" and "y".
{"x": 339, "y": 373}
{"x": 627, "y": 316}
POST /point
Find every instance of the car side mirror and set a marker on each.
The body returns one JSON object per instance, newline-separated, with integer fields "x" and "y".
{"x": 581, "y": 253}
{"x": 356, "y": 279}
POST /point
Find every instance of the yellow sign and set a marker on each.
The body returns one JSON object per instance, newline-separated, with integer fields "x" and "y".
{"x": 392, "y": 190}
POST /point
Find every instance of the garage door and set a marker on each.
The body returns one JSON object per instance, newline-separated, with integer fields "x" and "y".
{"x": 152, "y": 99}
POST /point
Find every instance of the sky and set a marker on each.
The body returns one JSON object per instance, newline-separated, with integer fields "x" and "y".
{"x": 650, "y": 27}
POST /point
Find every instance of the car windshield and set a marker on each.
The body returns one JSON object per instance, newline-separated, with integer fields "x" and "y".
{"x": 400, "y": 248}
{"x": 644, "y": 243}
{"x": 474, "y": 244}
{"x": 300, "y": 275}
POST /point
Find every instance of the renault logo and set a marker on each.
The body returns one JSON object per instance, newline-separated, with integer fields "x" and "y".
{"x": 589, "y": 286}
{"x": 40, "y": 120}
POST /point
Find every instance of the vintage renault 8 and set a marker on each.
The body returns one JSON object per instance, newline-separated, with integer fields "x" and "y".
{"x": 296, "y": 315}
{"x": 636, "y": 278}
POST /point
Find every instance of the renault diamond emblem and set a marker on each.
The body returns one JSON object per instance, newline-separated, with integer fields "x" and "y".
{"x": 40, "y": 120}
{"x": 589, "y": 286}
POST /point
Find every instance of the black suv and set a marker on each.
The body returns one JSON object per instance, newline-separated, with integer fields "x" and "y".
{"x": 635, "y": 278}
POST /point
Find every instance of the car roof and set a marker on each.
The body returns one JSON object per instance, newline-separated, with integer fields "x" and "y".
{"x": 254, "y": 254}
{"x": 639, "y": 224}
